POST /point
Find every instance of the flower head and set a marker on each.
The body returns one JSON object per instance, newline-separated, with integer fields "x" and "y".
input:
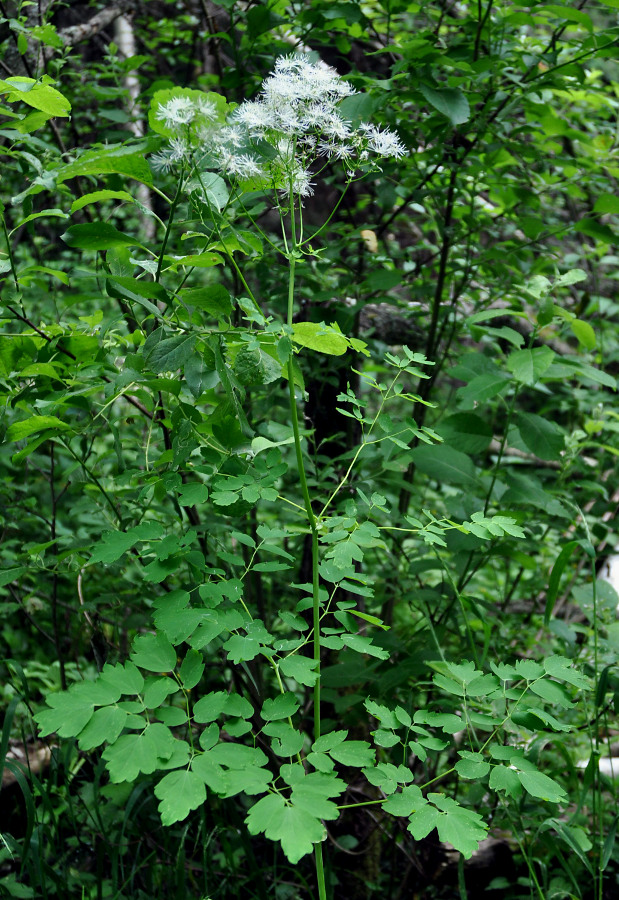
{"x": 297, "y": 114}
{"x": 177, "y": 111}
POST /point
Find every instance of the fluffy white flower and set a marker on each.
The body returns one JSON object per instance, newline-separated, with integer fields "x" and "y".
{"x": 206, "y": 108}
{"x": 301, "y": 183}
{"x": 336, "y": 127}
{"x": 177, "y": 111}
{"x": 254, "y": 115}
{"x": 231, "y": 135}
{"x": 384, "y": 143}
{"x": 297, "y": 113}
{"x": 245, "y": 166}
{"x": 162, "y": 161}
{"x": 179, "y": 149}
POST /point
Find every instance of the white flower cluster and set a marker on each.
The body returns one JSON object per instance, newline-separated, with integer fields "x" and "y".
{"x": 183, "y": 110}
{"x": 296, "y": 114}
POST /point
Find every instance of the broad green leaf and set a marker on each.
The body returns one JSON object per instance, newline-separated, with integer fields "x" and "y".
{"x": 237, "y": 756}
{"x": 192, "y": 494}
{"x": 135, "y": 753}
{"x": 179, "y": 793}
{"x": 104, "y": 727}
{"x": 362, "y": 644}
{"x": 113, "y": 161}
{"x": 20, "y": 430}
{"x": 56, "y": 213}
{"x": 249, "y": 780}
{"x": 471, "y": 765}
{"x": 191, "y": 669}
{"x": 465, "y": 431}
{"x": 312, "y": 800}
{"x": 126, "y": 678}
{"x": 423, "y": 820}
{"x": 224, "y": 498}
{"x": 179, "y": 624}
{"x": 445, "y": 464}
{"x": 255, "y": 367}
{"x": 573, "y": 276}
{"x": 327, "y": 742}
{"x": 539, "y": 785}
{"x": 528, "y": 366}
{"x": 481, "y": 389}
{"x": 99, "y": 197}
{"x": 459, "y": 826}
{"x": 172, "y": 716}
{"x": 318, "y": 336}
{"x": 209, "y": 707}
{"x": 40, "y": 96}
{"x": 451, "y": 102}
{"x": 301, "y": 668}
{"x": 96, "y": 236}
{"x": 543, "y": 437}
{"x": 242, "y": 648}
{"x": 112, "y": 546}
{"x": 280, "y": 707}
{"x": 211, "y": 773}
{"x": 406, "y": 802}
{"x": 70, "y": 714}
{"x": 9, "y": 575}
{"x": 384, "y": 715}
{"x": 561, "y": 667}
{"x": 607, "y": 204}
{"x": 296, "y": 829}
{"x": 97, "y": 692}
{"x": 321, "y": 762}
{"x": 552, "y": 692}
{"x": 580, "y": 370}
{"x": 529, "y": 669}
{"x": 200, "y": 260}
{"x": 143, "y": 292}
{"x": 448, "y": 722}
{"x": 214, "y": 299}
{"x": 170, "y": 354}
{"x": 157, "y": 689}
{"x": 593, "y": 228}
{"x": 153, "y": 652}
{"x": 287, "y": 741}
{"x": 353, "y": 753}
{"x": 585, "y": 333}
{"x": 200, "y": 373}
{"x": 538, "y": 719}
{"x": 384, "y": 738}
{"x": 504, "y": 778}
{"x": 238, "y": 706}
{"x": 213, "y": 191}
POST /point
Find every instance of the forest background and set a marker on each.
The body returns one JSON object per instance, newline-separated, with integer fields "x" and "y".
{"x": 308, "y": 471}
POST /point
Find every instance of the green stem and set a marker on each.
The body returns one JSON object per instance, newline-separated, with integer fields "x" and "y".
{"x": 311, "y": 518}
{"x": 320, "y": 872}
{"x": 9, "y": 250}
{"x": 168, "y": 229}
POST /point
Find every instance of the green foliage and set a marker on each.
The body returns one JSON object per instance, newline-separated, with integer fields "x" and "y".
{"x": 305, "y": 426}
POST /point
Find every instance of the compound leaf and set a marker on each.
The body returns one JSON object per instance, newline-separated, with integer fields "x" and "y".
{"x": 178, "y": 793}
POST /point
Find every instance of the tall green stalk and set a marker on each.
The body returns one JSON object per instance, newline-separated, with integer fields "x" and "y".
{"x": 311, "y": 518}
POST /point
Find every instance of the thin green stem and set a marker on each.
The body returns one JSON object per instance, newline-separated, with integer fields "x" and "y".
{"x": 168, "y": 229}
{"x": 10, "y": 252}
{"x": 294, "y": 414}
{"x": 320, "y": 872}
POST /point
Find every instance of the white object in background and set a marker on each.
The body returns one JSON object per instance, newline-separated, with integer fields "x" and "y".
{"x": 610, "y": 571}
